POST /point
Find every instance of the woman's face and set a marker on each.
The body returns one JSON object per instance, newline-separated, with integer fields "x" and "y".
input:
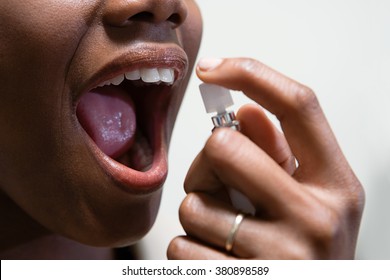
{"x": 85, "y": 160}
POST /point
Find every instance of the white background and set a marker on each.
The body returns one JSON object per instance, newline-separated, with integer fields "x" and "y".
{"x": 341, "y": 49}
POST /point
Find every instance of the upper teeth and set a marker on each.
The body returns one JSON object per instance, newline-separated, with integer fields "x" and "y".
{"x": 148, "y": 75}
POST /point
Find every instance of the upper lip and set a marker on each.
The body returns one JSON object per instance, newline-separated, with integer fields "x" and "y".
{"x": 141, "y": 55}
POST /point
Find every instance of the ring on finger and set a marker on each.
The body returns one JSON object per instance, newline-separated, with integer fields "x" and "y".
{"x": 233, "y": 231}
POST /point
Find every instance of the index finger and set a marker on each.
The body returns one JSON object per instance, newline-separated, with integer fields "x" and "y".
{"x": 295, "y": 105}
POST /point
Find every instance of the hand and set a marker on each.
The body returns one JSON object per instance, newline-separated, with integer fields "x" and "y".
{"x": 308, "y": 201}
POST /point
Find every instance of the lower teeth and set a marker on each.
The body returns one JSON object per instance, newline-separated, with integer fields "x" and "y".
{"x": 140, "y": 155}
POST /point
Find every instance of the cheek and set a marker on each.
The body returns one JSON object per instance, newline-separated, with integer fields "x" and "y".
{"x": 24, "y": 25}
{"x": 36, "y": 46}
{"x": 38, "y": 40}
{"x": 35, "y": 51}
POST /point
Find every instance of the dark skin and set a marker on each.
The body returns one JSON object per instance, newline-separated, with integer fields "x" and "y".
{"x": 59, "y": 194}
{"x": 61, "y": 197}
{"x": 307, "y": 211}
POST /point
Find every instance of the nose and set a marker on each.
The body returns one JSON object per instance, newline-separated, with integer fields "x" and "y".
{"x": 123, "y": 12}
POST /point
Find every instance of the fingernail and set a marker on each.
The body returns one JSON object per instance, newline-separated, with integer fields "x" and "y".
{"x": 209, "y": 63}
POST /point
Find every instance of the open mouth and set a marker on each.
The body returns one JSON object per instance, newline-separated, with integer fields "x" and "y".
{"x": 125, "y": 117}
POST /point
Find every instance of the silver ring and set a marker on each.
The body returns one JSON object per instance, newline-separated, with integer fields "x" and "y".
{"x": 233, "y": 231}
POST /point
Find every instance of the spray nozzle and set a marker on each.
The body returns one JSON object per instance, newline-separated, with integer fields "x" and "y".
{"x": 217, "y": 99}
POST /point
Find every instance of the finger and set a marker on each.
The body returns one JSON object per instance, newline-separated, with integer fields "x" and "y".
{"x": 204, "y": 218}
{"x": 238, "y": 163}
{"x": 201, "y": 177}
{"x": 186, "y": 248}
{"x": 256, "y": 125}
{"x": 295, "y": 105}
{"x": 209, "y": 221}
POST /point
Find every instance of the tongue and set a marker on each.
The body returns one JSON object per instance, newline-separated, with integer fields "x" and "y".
{"x": 108, "y": 115}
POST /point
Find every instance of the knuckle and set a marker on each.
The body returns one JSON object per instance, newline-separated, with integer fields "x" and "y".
{"x": 331, "y": 228}
{"x": 175, "y": 248}
{"x": 188, "y": 210}
{"x": 325, "y": 230}
{"x": 292, "y": 248}
{"x": 351, "y": 197}
{"x": 246, "y": 70}
{"x": 304, "y": 99}
{"x": 220, "y": 146}
{"x": 249, "y": 65}
{"x": 299, "y": 253}
{"x": 356, "y": 198}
